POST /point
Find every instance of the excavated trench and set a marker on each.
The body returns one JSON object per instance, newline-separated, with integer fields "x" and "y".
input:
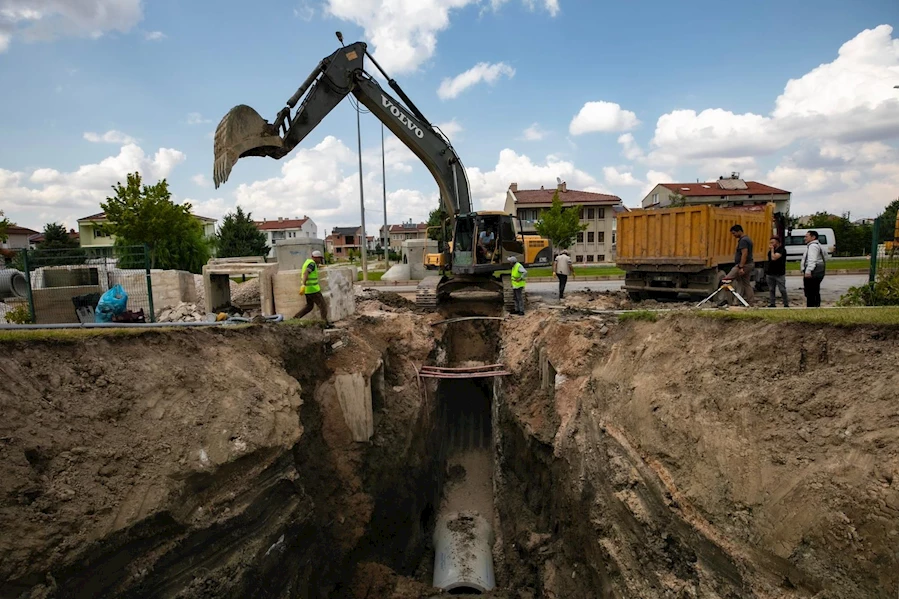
{"x": 200, "y": 464}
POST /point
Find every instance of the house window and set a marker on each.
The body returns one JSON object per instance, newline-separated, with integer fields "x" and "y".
{"x": 655, "y": 198}
{"x": 589, "y": 257}
{"x": 613, "y": 237}
{"x": 591, "y": 213}
{"x": 580, "y": 237}
{"x": 580, "y": 214}
{"x": 590, "y": 237}
{"x": 99, "y": 233}
{"x": 602, "y": 213}
{"x": 602, "y": 237}
{"x": 578, "y": 258}
{"x": 601, "y": 258}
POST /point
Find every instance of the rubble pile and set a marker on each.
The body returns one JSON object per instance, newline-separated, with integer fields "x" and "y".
{"x": 201, "y": 289}
{"x": 247, "y": 294}
{"x": 183, "y": 312}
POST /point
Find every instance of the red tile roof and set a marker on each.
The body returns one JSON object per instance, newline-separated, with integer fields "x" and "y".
{"x": 39, "y": 238}
{"x": 287, "y": 223}
{"x": 711, "y": 188}
{"x": 17, "y": 230}
{"x": 572, "y": 196}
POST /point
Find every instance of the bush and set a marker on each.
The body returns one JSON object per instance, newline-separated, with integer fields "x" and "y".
{"x": 884, "y": 292}
{"x": 19, "y": 315}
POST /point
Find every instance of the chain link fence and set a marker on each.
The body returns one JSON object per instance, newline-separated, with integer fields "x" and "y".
{"x": 65, "y": 285}
{"x": 882, "y": 288}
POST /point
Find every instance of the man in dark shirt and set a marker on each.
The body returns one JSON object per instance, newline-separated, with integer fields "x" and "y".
{"x": 776, "y": 272}
{"x": 743, "y": 265}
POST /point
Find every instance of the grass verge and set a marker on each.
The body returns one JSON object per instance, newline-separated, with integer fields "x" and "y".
{"x": 836, "y": 264}
{"x": 579, "y": 271}
{"x": 647, "y": 315}
{"x": 885, "y": 316}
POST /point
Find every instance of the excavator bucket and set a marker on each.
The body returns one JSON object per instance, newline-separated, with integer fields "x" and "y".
{"x": 242, "y": 132}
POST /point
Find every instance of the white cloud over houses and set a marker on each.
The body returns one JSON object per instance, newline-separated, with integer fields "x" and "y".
{"x": 41, "y": 20}
{"x": 602, "y": 117}
{"x": 481, "y": 72}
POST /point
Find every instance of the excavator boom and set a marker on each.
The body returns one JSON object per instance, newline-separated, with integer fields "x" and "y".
{"x": 243, "y": 132}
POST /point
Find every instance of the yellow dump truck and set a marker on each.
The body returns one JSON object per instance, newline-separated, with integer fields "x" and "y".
{"x": 669, "y": 251}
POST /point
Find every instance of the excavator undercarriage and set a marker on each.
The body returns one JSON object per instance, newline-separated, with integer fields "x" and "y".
{"x": 435, "y": 289}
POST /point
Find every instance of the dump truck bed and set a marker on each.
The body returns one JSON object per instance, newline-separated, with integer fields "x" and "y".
{"x": 689, "y": 237}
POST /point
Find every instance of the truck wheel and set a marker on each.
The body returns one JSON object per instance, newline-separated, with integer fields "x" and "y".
{"x": 636, "y": 296}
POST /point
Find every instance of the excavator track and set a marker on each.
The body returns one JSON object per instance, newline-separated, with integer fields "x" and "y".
{"x": 426, "y": 294}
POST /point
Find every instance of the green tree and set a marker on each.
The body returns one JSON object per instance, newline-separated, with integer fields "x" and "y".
{"x": 560, "y": 225}
{"x": 56, "y": 249}
{"x": 888, "y": 222}
{"x": 852, "y": 239}
{"x": 437, "y": 219}
{"x": 239, "y": 236}
{"x": 4, "y": 224}
{"x": 145, "y": 214}
{"x": 677, "y": 200}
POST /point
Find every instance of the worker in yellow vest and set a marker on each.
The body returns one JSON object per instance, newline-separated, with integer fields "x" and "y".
{"x": 518, "y": 282}
{"x": 309, "y": 286}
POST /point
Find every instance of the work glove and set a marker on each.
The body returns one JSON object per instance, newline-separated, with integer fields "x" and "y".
{"x": 302, "y": 290}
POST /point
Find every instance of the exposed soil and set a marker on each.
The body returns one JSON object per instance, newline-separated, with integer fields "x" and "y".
{"x": 687, "y": 457}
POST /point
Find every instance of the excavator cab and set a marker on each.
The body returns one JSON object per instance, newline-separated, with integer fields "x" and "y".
{"x": 484, "y": 241}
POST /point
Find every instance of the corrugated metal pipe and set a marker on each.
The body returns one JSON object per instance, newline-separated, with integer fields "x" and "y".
{"x": 12, "y": 283}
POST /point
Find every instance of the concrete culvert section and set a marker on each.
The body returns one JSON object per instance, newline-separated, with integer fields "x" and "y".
{"x": 622, "y": 457}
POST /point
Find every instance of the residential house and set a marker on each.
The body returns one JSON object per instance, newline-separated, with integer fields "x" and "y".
{"x": 39, "y": 238}
{"x": 863, "y": 221}
{"x": 286, "y": 229}
{"x": 726, "y": 191}
{"x": 91, "y": 235}
{"x": 597, "y": 242}
{"x": 397, "y": 234}
{"x": 18, "y": 238}
{"x": 342, "y": 240}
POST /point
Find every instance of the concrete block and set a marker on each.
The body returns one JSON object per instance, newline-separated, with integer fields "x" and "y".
{"x": 414, "y": 251}
{"x": 337, "y": 287}
{"x": 292, "y": 253}
{"x": 218, "y": 288}
{"x": 54, "y": 305}
{"x": 172, "y": 287}
{"x": 354, "y": 396}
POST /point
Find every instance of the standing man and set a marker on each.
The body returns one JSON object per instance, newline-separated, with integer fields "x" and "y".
{"x": 743, "y": 265}
{"x": 518, "y": 274}
{"x": 562, "y": 268}
{"x": 310, "y": 287}
{"x": 777, "y": 272}
{"x": 812, "y": 266}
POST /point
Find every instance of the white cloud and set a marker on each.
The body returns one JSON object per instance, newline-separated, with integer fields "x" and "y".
{"x": 304, "y": 11}
{"x": 110, "y": 137}
{"x": 46, "y": 193}
{"x": 850, "y": 99}
{"x": 534, "y": 133}
{"x": 615, "y": 177}
{"x": 452, "y": 129}
{"x": 629, "y": 147}
{"x": 551, "y": 6}
{"x": 488, "y": 188}
{"x": 602, "y": 117}
{"x": 41, "y": 20}
{"x": 195, "y": 118}
{"x": 154, "y": 36}
{"x": 201, "y": 180}
{"x": 653, "y": 178}
{"x": 403, "y": 33}
{"x": 486, "y": 72}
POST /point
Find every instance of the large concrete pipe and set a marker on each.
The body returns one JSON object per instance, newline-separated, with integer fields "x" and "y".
{"x": 12, "y": 283}
{"x": 463, "y": 555}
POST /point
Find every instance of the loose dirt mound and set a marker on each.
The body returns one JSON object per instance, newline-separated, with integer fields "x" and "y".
{"x": 707, "y": 458}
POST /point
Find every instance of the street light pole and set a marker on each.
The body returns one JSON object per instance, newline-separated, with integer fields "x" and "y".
{"x": 362, "y": 199}
{"x": 384, "y": 182}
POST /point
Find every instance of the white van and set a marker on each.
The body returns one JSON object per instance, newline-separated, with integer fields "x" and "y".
{"x": 795, "y": 242}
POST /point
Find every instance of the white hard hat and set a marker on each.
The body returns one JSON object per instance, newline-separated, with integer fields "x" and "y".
{"x": 513, "y": 259}
{"x": 316, "y": 254}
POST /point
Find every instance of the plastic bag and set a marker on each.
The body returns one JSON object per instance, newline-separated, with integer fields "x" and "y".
{"x": 113, "y": 302}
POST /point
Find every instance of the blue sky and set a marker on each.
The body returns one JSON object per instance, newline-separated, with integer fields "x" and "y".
{"x": 611, "y": 97}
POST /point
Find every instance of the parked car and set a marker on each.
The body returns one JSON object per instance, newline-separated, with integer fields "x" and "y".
{"x": 794, "y": 241}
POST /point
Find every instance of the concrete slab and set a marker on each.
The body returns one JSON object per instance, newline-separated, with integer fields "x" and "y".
{"x": 337, "y": 287}
{"x": 354, "y": 395}
{"x": 218, "y": 289}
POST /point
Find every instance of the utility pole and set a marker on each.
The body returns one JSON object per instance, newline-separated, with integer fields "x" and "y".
{"x": 362, "y": 199}
{"x": 384, "y": 182}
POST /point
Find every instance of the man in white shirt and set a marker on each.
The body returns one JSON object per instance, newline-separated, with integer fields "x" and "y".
{"x": 812, "y": 266}
{"x": 562, "y": 269}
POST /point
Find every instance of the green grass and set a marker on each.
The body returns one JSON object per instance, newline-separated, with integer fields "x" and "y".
{"x": 886, "y": 315}
{"x": 372, "y": 275}
{"x": 579, "y": 271}
{"x": 647, "y": 315}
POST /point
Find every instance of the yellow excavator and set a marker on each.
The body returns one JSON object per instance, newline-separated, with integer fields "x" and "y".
{"x": 481, "y": 242}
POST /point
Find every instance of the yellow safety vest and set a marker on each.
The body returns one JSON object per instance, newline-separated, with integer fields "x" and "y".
{"x": 312, "y": 281}
{"x": 517, "y": 277}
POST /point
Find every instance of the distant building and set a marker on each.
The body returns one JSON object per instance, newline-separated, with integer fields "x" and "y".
{"x": 286, "y": 229}
{"x": 342, "y": 240}
{"x": 91, "y": 235}
{"x": 39, "y": 238}
{"x": 397, "y": 234}
{"x": 863, "y": 221}
{"x": 598, "y": 210}
{"x": 726, "y": 191}
{"x": 18, "y": 238}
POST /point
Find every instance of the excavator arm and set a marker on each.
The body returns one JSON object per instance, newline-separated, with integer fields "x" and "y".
{"x": 242, "y": 132}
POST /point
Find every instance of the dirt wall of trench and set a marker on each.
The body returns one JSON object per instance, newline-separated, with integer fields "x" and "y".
{"x": 699, "y": 458}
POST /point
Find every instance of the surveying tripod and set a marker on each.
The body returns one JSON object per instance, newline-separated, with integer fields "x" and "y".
{"x": 725, "y": 284}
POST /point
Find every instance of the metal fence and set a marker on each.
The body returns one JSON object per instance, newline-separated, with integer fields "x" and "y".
{"x": 883, "y": 279}
{"x": 65, "y": 285}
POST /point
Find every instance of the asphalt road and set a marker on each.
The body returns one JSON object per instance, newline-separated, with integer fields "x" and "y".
{"x": 832, "y": 287}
